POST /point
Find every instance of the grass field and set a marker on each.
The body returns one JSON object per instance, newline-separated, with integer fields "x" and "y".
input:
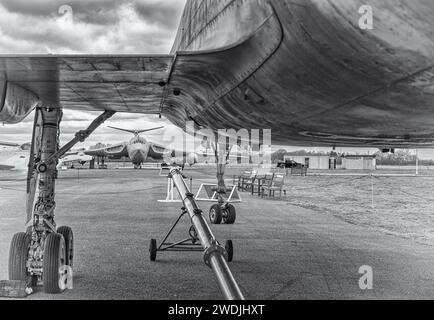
{"x": 399, "y": 205}
{"x": 394, "y": 200}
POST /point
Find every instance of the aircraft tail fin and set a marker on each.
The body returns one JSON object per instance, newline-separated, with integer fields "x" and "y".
{"x": 136, "y": 131}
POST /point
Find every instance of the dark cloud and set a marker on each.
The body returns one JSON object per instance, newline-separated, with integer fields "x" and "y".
{"x": 103, "y": 12}
{"x": 82, "y": 26}
{"x": 51, "y": 7}
{"x": 162, "y": 12}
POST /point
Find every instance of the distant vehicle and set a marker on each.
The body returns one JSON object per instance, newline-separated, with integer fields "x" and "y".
{"x": 288, "y": 164}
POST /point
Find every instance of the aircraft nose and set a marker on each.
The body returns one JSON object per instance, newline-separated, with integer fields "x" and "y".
{"x": 138, "y": 154}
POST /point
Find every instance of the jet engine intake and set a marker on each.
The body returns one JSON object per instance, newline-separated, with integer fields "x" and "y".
{"x": 16, "y": 103}
{"x": 192, "y": 159}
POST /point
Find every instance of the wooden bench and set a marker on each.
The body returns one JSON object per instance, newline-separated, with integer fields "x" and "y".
{"x": 245, "y": 178}
{"x": 262, "y": 180}
{"x": 276, "y": 184}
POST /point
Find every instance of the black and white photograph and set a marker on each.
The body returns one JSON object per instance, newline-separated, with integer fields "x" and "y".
{"x": 213, "y": 150}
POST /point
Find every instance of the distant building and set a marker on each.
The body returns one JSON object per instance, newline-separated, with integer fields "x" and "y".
{"x": 333, "y": 162}
{"x": 359, "y": 162}
{"x": 315, "y": 162}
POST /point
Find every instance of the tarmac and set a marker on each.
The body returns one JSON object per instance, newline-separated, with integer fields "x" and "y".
{"x": 280, "y": 251}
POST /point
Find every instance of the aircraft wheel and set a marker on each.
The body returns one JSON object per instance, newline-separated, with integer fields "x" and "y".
{"x": 215, "y": 214}
{"x": 231, "y": 215}
{"x": 153, "y": 250}
{"x": 230, "y": 250}
{"x": 54, "y": 261}
{"x": 18, "y": 254}
{"x": 68, "y": 236}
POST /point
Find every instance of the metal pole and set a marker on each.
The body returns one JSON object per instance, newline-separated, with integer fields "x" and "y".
{"x": 417, "y": 162}
{"x": 214, "y": 254}
{"x": 372, "y": 191}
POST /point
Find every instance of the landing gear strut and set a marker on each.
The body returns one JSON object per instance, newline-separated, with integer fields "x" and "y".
{"x": 223, "y": 211}
{"x": 45, "y": 254}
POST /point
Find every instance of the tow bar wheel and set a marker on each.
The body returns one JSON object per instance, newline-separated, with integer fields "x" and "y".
{"x": 229, "y": 246}
{"x": 18, "y": 254}
{"x": 153, "y": 250}
{"x": 54, "y": 263}
{"x": 215, "y": 214}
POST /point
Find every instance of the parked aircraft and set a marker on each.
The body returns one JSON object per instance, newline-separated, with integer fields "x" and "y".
{"x": 74, "y": 158}
{"x": 16, "y": 157}
{"x": 138, "y": 149}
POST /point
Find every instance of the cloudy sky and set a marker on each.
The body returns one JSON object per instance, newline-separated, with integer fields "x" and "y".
{"x": 89, "y": 27}
{"x": 93, "y": 27}
{"x": 83, "y": 26}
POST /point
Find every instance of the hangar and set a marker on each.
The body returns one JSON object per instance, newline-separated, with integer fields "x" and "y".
{"x": 359, "y": 162}
{"x": 333, "y": 161}
{"x": 315, "y": 161}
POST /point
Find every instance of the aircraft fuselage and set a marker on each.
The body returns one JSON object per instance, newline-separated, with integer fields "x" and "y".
{"x": 307, "y": 70}
{"x": 138, "y": 150}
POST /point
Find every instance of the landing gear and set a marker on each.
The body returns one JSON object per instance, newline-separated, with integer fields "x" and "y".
{"x": 43, "y": 254}
{"x": 230, "y": 214}
{"x": 101, "y": 163}
{"x": 68, "y": 236}
{"x": 215, "y": 214}
{"x": 53, "y": 264}
{"x": 225, "y": 213}
{"x": 18, "y": 255}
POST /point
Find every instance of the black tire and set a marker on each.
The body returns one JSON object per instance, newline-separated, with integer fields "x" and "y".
{"x": 153, "y": 250}
{"x": 215, "y": 214}
{"x": 68, "y": 235}
{"x": 54, "y": 260}
{"x": 231, "y": 215}
{"x": 34, "y": 281}
{"x": 230, "y": 250}
{"x": 18, "y": 254}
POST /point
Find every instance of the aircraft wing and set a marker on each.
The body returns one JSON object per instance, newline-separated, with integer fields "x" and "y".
{"x": 129, "y": 83}
{"x": 159, "y": 152}
{"x": 116, "y": 151}
{"x": 8, "y": 144}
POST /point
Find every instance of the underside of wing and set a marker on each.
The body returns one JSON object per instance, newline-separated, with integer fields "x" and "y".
{"x": 119, "y": 83}
{"x": 158, "y": 152}
{"x": 112, "y": 151}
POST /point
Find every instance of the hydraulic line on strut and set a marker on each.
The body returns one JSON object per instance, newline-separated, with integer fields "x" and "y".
{"x": 80, "y": 136}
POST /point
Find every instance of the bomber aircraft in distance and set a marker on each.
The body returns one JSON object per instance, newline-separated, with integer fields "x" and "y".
{"x": 139, "y": 150}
